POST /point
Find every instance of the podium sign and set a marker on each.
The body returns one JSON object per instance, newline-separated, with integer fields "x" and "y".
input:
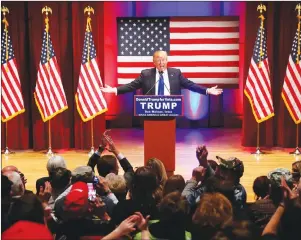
{"x": 158, "y": 106}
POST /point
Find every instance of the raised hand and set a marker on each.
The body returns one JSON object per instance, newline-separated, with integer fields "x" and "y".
{"x": 111, "y": 146}
{"x": 214, "y": 90}
{"x": 201, "y": 155}
{"x": 108, "y": 89}
{"x": 45, "y": 194}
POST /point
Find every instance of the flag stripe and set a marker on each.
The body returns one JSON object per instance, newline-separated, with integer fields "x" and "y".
{"x": 205, "y": 41}
{"x": 183, "y": 64}
{"x": 205, "y": 29}
{"x": 12, "y": 89}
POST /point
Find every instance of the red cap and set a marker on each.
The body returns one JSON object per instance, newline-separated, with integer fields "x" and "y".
{"x": 77, "y": 198}
{"x": 27, "y": 230}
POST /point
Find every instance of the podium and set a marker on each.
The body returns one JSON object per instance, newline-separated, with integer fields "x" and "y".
{"x": 159, "y": 113}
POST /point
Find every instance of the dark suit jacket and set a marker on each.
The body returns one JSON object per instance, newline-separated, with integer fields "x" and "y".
{"x": 147, "y": 80}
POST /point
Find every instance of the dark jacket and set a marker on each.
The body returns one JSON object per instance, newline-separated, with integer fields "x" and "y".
{"x": 147, "y": 80}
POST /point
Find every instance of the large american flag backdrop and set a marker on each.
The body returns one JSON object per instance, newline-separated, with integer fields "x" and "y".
{"x": 291, "y": 92}
{"x": 49, "y": 93}
{"x": 12, "y": 100}
{"x": 205, "y": 49}
{"x": 258, "y": 84}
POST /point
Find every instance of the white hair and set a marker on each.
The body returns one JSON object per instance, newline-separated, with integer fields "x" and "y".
{"x": 17, "y": 187}
{"x": 116, "y": 183}
{"x": 55, "y": 162}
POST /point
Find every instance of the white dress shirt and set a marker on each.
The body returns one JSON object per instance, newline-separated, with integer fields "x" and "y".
{"x": 166, "y": 82}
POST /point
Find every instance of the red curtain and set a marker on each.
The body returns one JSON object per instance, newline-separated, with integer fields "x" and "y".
{"x": 281, "y": 25}
{"x": 67, "y": 28}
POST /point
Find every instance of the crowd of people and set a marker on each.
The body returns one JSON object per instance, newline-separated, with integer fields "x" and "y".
{"x": 95, "y": 202}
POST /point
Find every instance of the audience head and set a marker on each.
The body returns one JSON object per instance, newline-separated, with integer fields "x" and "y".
{"x": 17, "y": 188}
{"x": 239, "y": 230}
{"x": 55, "y": 162}
{"x": 60, "y": 178}
{"x": 75, "y": 204}
{"x": 174, "y": 208}
{"x": 144, "y": 183}
{"x": 9, "y": 169}
{"x": 28, "y": 207}
{"x": 261, "y": 187}
{"x": 6, "y": 185}
{"x": 230, "y": 169}
{"x": 82, "y": 174}
{"x": 14, "y": 169}
{"x": 158, "y": 168}
{"x": 213, "y": 164}
{"x": 117, "y": 185}
{"x": 107, "y": 164}
{"x": 174, "y": 183}
{"x": 213, "y": 211}
{"x": 296, "y": 171}
{"x": 27, "y": 230}
{"x": 275, "y": 180}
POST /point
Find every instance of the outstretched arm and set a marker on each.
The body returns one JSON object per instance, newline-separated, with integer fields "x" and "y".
{"x": 186, "y": 83}
{"x": 130, "y": 87}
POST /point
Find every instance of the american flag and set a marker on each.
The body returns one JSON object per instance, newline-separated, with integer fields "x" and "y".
{"x": 49, "y": 92}
{"x": 258, "y": 84}
{"x": 89, "y": 99}
{"x": 205, "y": 49}
{"x": 291, "y": 91}
{"x": 12, "y": 100}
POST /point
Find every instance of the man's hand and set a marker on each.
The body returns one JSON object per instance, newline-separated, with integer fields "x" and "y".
{"x": 214, "y": 90}
{"x": 198, "y": 174}
{"x": 108, "y": 89}
{"x": 111, "y": 146}
{"x": 45, "y": 194}
{"x": 202, "y": 154}
{"x": 102, "y": 184}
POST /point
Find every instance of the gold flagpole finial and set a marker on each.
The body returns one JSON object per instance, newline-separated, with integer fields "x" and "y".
{"x": 89, "y": 10}
{"x": 298, "y": 8}
{"x": 46, "y": 10}
{"x": 4, "y": 10}
{"x": 261, "y": 8}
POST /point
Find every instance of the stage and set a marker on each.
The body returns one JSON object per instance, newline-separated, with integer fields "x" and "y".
{"x": 219, "y": 141}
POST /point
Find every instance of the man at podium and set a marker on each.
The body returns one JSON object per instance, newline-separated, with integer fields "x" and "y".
{"x": 161, "y": 81}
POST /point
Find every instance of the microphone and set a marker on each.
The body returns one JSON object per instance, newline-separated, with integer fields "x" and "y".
{"x": 154, "y": 84}
{"x": 160, "y": 73}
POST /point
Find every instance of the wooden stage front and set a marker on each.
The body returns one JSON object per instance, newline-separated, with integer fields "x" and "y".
{"x": 221, "y": 142}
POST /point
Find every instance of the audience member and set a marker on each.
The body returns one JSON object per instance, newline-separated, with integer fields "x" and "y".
{"x": 174, "y": 183}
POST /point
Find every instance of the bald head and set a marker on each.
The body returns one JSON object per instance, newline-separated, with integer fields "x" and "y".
{"x": 9, "y": 169}
{"x": 160, "y": 60}
{"x": 17, "y": 188}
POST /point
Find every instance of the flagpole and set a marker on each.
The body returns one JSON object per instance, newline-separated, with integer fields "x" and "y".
{"x": 5, "y": 10}
{"x": 261, "y": 8}
{"x": 47, "y": 10}
{"x": 89, "y": 10}
{"x": 297, "y": 150}
{"x": 92, "y": 140}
